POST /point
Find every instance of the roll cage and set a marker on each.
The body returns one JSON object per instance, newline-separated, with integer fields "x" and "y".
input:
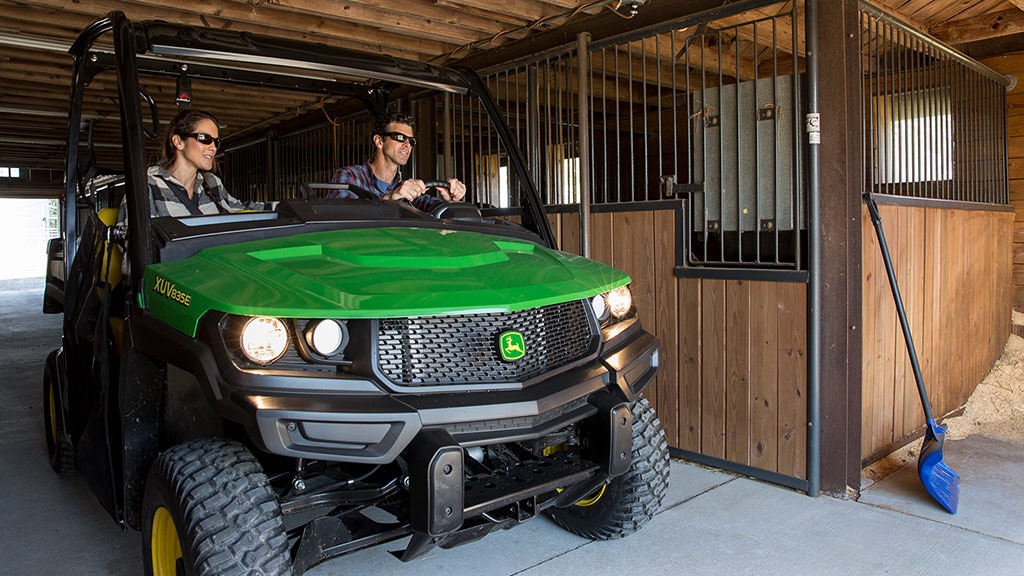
{"x": 163, "y": 49}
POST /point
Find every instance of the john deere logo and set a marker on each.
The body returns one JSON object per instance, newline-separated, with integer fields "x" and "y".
{"x": 511, "y": 345}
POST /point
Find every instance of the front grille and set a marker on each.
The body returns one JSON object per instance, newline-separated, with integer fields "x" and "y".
{"x": 438, "y": 350}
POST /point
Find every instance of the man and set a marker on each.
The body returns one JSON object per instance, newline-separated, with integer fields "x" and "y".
{"x": 393, "y": 141}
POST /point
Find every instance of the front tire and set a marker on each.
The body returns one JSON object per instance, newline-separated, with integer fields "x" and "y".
{"x": 59, "y": 450}
{"x": 625, "y": 504}
{"x": 208, "y": 510}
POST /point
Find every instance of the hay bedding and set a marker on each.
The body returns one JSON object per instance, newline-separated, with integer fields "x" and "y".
{"x": 995, "y": 409}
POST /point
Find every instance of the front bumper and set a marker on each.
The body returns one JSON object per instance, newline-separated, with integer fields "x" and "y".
{"x": 375, "y": 429}
{"x": 353, "y": 420}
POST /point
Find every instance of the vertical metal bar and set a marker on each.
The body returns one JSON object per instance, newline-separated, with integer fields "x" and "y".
{"x": 583, "y": 91}
{"x": 1004, "y": 192}
{"x": 704, "y": 143}
{"x": 1005, "y": 164}
{"x": 618, "y": 131}
{"x": 675, "y": 106}
{"x": 977, "y": 118}
{"x": 693, "y": 122}
{"x": 914, "y": 93}
{"x": 658, "y": 95}
{"x": 949, "y": 183}
{"x": 987, "y": 129}
{"x": 814, "y": 296}
{"x": 886, "y": 110}
{"x": 928, "y": 93}
{"x": 970, "y": 150}
{"x": 570, "y": 134}
{"x": 632, "y": 124}
{"x": 977, "y": 125}
{"x": 757, "y": 156}
{"x": 533, "y": 128}
{"x": 866, "y": 98}
{"x": 990, "y": 152}
{"x": 552, "y": 183}
{"x": 448, "y": 161}
{"x": 644, "y": 176}
{"x": 566, "y": 135}
{"x": 721, "y": 152}
{"x": 606, "y": 184}
{"x": 776, "y": 125}
{"x": 738, "y": 145}
{"x": 900, "y": 93}
{"x": 875, "y": 94}
{"x": 958, "y": 134}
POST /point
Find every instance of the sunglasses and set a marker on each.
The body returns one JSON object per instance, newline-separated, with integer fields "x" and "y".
{"x": 203, "y": 138}
{"x": 401, "y": 138}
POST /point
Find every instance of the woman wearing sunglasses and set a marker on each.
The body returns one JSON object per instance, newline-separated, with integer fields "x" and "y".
{"x": 183, "y": 183}
{"x": 393, "y": 142}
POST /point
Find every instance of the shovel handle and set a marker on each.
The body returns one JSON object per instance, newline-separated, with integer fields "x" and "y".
{"x": 876, "y": 219}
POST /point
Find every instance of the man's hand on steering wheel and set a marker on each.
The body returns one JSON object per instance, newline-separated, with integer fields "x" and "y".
{"x": 450, "y": 191}
{"x": 409, "y": 190}
{"x": 455, "y": 191}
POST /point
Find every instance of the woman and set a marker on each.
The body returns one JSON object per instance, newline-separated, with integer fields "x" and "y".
{"x": 183, "y": 183}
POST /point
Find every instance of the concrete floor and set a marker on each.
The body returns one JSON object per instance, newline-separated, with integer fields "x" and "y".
{"x": 712, "y": 522}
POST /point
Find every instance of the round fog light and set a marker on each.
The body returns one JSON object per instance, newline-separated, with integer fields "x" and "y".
{"x": 599, "y": 306}
{"x": 327, "y": 337}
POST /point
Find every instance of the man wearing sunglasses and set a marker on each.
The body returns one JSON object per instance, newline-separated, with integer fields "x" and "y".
{"x": 393, "y": 142}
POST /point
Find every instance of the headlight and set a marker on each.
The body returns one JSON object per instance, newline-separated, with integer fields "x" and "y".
{"x": 620, "y": 301}
{"x": 615, "y": 304}
{"x": 264, "y": 339}
{"x": 327, "y": 337}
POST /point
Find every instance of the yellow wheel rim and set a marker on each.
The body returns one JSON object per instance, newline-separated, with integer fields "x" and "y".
{"x": 588, "y": 501}
{"x": 164, "y": 544}
{"x": 52, "y": 401}
{"x": 593, "y": 499}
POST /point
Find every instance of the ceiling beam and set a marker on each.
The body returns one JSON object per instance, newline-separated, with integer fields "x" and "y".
{"x": 977, "y": 28}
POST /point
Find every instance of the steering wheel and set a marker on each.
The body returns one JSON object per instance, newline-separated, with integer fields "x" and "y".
{"x": 306, "y": 190}
{"x": 435, "y": 185}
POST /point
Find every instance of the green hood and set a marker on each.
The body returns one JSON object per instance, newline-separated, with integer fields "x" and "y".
{"x": 371, "y": 273}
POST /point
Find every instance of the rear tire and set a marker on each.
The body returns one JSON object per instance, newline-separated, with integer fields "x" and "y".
{"x": 59, "y": 450}
{"x": 208, "y": 510}
{"x": 625, "y": 504}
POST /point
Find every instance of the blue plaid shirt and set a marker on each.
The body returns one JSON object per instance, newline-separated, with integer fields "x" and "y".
{"x": 362, "y": 175}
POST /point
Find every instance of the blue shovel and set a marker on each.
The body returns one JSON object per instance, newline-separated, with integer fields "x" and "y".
{"x": 938, "y": 478}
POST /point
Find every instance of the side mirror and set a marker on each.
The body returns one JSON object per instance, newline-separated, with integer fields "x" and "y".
{"x": 53, "y": 294}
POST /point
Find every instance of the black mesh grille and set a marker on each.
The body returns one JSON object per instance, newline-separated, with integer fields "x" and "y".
{"x": 435, "y": 350}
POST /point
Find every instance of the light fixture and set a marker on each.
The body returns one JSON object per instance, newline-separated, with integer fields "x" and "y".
{"x": 327, "y": 337}
{"x": 264, "y": 339}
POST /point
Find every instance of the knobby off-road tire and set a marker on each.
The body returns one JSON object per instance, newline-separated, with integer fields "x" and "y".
{"x": 631, "y": 500}
{"x": 209, "y": 510}
{"x": 59, "y": 450}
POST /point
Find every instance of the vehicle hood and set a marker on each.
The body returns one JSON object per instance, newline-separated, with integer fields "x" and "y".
{"x": 371, "y": 273}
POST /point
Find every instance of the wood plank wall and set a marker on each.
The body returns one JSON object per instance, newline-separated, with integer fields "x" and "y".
{"x": 733, "y": 379}
{"x": 1014, "y": 64}
{"x": 954, "y": 271}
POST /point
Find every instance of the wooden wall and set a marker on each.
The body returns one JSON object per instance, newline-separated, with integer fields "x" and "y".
{"x": 1014, "y": 64}
{"x": 954, "y": 272}
{"x": 733, "y": 376}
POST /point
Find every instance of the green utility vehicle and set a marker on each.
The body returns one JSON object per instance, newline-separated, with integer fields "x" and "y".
{"x": 259, "y": 391}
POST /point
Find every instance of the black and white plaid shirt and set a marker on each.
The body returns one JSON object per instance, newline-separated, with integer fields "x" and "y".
{"x": 169, "y": 197}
